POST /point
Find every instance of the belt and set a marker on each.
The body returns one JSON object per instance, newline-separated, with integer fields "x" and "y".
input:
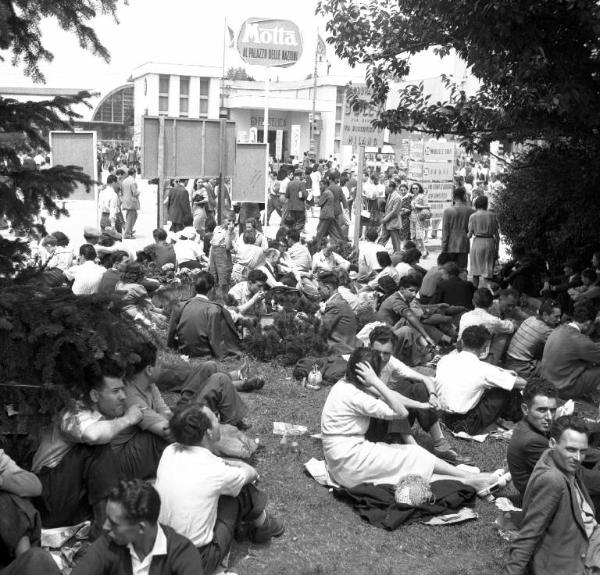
{"x": 482, "y": 236}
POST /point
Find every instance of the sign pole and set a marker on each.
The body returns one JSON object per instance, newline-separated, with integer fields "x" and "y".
{"x": 266, "y": 140}
{"x": 358, "y": 195}
{"x": 160, "y": 219}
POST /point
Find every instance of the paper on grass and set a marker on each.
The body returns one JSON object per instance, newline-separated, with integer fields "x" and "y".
{"x": 464, "y": 435}
{"x": 505, "y": 504}
{"x": 463, "y": 514}
{"x": 318, "y": 471}
{"x": 282, "y": 428}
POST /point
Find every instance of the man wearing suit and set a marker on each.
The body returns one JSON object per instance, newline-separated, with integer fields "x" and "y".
{"x": 328, "y": 224}
{"x": 203, "y": 328}
{"x": 130, "y": 202}
{"x": 558, "y": 515}
{"x": 338, "y": 322}
{"x": 296, "y": 194}
{"x": 455, "y": 225}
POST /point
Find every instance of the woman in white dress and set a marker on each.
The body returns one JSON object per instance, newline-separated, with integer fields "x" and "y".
{"x": 351, "y": 459}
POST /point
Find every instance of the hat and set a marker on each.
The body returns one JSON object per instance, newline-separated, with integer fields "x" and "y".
{"x": 110, "y": 233}
{"x": 91, "y": 231}
{"x": 299, "y": 173}
{"x": 188, "y": 233}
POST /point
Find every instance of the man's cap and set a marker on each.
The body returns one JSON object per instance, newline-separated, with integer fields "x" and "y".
{"x": 91, "y": 231}
{"x": 188, "y": 233}
{"x": 114, "y": 234}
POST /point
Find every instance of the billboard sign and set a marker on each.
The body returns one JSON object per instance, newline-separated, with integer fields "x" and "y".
{"x": 269, "y": 42}
{"x": 358, "y": 130}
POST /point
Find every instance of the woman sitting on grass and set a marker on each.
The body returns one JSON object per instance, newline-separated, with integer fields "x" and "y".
{"x": 351, "y": 459}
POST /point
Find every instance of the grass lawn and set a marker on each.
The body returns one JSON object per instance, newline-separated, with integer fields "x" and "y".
{"x": 325, "y": 536}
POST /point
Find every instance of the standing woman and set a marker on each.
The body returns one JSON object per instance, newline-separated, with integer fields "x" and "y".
{"x": 405, "y": 211}
{"x": 483, "y": 228}
{"x": 421, "y": 215}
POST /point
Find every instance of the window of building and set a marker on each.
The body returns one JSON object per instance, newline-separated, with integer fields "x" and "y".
{"x": 184, "y": 95}
{"x": 163, "y": 94}
{"x": 204, "y": 87}
{"x": 117, "y": 107}
{"x": 340, "y": 95}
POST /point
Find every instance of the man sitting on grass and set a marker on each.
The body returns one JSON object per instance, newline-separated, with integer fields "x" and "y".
{"x": 134, "y": 540}
{"x": 205, "y": 497}
{"x": 474, "y": 394}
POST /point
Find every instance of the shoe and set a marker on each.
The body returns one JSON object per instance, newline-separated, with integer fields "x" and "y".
{"x": 272, "y": 527}
{"x": 451, "y": 456}
{"x": 252, "y": 384}
{"x": 243, "y": 426}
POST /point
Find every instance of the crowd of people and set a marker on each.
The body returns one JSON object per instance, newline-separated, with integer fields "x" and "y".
{"x": 464, "y": 345}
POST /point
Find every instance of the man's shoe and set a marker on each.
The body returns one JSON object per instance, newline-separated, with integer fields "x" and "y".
{"x": 243, "y": 426}
{"x": 451, "y": 456}
{"x": 252, "y": 384}
{"x": 272, "y": 527}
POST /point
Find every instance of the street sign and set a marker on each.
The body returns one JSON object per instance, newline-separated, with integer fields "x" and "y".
{"x": 269, "y": 42}
{"x": 358, "y": 130}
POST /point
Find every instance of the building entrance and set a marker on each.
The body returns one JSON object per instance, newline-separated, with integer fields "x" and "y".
{"x": 272, "y": 139}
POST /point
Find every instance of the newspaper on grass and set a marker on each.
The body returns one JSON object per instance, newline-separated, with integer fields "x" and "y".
{"x": 464, "y": 435}
{"x": 317, "y": 469}
{"x": 463, "y": 514}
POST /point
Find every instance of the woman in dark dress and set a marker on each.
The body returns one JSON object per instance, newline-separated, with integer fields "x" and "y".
{"x": 405, "y": 209}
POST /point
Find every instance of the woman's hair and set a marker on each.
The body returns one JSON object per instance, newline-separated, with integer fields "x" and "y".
{"x": 62, "y": 240}
{"x": 133, "y": 273}
{"x": 419, "y": 186}
{"x": 359, "y": 355}
{"x": 481, "y": 203}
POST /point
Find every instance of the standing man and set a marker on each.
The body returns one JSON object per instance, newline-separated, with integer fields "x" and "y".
{"x": 455, "y": 225}
{"x": 130, "y": 202}
{"x": 296, "y": 195}
{"x": 558, "y": 516}
{"x": 178, "y": 207}
{"x": 392, "y": 223}
{"x": 327, "y": 221}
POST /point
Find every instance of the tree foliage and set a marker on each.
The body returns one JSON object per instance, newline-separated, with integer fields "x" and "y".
{"x": 24, "y": 126}
{"x": 238, "y": 73}
{"x": 537, "y": 63}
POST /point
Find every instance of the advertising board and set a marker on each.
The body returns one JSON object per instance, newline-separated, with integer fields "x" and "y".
{"x": 269, "y": 42}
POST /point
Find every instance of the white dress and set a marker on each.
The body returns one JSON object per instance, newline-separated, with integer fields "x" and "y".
{"x": 351, "y": 459}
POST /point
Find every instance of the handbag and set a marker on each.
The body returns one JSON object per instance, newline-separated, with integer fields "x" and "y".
{"x": 424, "y": 214}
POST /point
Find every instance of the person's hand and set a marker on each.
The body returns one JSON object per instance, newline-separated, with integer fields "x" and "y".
{"x": 367, "y": 376}
{"x": 434, "y": 402}
{"x": 134, "y": 414}
{"x": 443, "y": 305}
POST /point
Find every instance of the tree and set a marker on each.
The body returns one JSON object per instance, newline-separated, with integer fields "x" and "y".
{"x": 24, "y": 126}
{"x": 238, "y": 74}
{"x": 537, "y": 63}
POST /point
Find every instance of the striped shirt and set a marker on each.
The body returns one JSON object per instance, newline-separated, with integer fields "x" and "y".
{"x": 528, "y": 342}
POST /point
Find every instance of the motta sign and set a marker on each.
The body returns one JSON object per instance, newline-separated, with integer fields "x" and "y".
{"x": 267, "y": 42}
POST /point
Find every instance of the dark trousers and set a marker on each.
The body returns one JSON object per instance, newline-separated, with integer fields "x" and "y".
{"x": 130, "y": 219}
{"x": 35, "y": 561}
{"x": 18, "y": 519}
{"x": 460, "y": 259}
{"x": 138, "y": 457}
{"x": 82, "y": 479}
{"x": 395, "y": 235}
{"x": 494, "y": 403}
{"x": 328, "y": 227}
{"x": 247, "y": 506}
{"x": 206, "y": 384}
{"x": 299, "y": 218}
{"x": 415, "y": 390}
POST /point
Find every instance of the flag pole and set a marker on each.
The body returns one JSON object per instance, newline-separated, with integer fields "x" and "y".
{"x": 313, "y": 143}
{"x": 223, "y": 65}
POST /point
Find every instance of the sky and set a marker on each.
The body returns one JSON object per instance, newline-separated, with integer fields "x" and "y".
{"x": 173, "y": 31}
{"x": 179, "y": 31}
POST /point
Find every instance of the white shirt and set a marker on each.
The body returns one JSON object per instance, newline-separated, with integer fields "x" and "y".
{"x": 462, "y": 378}
{"x": 367, "y": 258}
{"x": 159, "y": 548}
{"x": 394, "y": 370}
{"x": 187, "y": 251}
{"x": 108, "y": 201}
{"x": 87, "y": 277}
{"x": 403, "y": 269}
{"x": 479, "y": 316}
{"x": 190, "y": 481}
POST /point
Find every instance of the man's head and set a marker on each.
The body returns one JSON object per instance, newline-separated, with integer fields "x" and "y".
{"x": 443, "y": 258}
{"x": 329, "y": 246}
{"x": 257, "y": 281}
{"x": 272, "y": 255}
{"x": 483, "y": 298}
{"x": 132, "y": 508}
{"x": 372, "y": 234}
{"x": 131, "y": 172}
{"x": 411, "y": 256}
{"x": 91, "y": 234}
{"x": 569, "y": 442}
{"x": 195, "y": 424}
{"x": 328, "y": 284}
{"x": 383, "y": 259}
{"x": 249, "y": 237}
{"x": 508, "y": 300}
{"x": 450, "y": 270}
{"x": 107, "y": 390}
{"x": 159, "y": 235}
{"x": 589, "y": 277}
{"x": 383, "y": 340}
{"x": 205, "y": 282}
{"x": 584, "y": 314}
{"x": 408, "y": 287}
{"x": 571, "y": 267}
{"x": 293, "y": 237}
{"x": 250, "y": 225}
{"x": 145, "y": 363}
{"x": 459, "y": 194}
{"x": 87, "y": 252}
{"x": 475, "y": 339}
{"x": 119, "y": 259}
{"x": 540, "y": 400}
{"x": 550, "y": 312}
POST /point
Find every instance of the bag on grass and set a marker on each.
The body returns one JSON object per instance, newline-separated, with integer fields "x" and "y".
{"x": 234, "y": 443}
{"x": 332, "y": 368}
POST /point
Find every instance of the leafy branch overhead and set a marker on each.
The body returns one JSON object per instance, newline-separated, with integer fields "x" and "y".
{"x": 537, "y": 64}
